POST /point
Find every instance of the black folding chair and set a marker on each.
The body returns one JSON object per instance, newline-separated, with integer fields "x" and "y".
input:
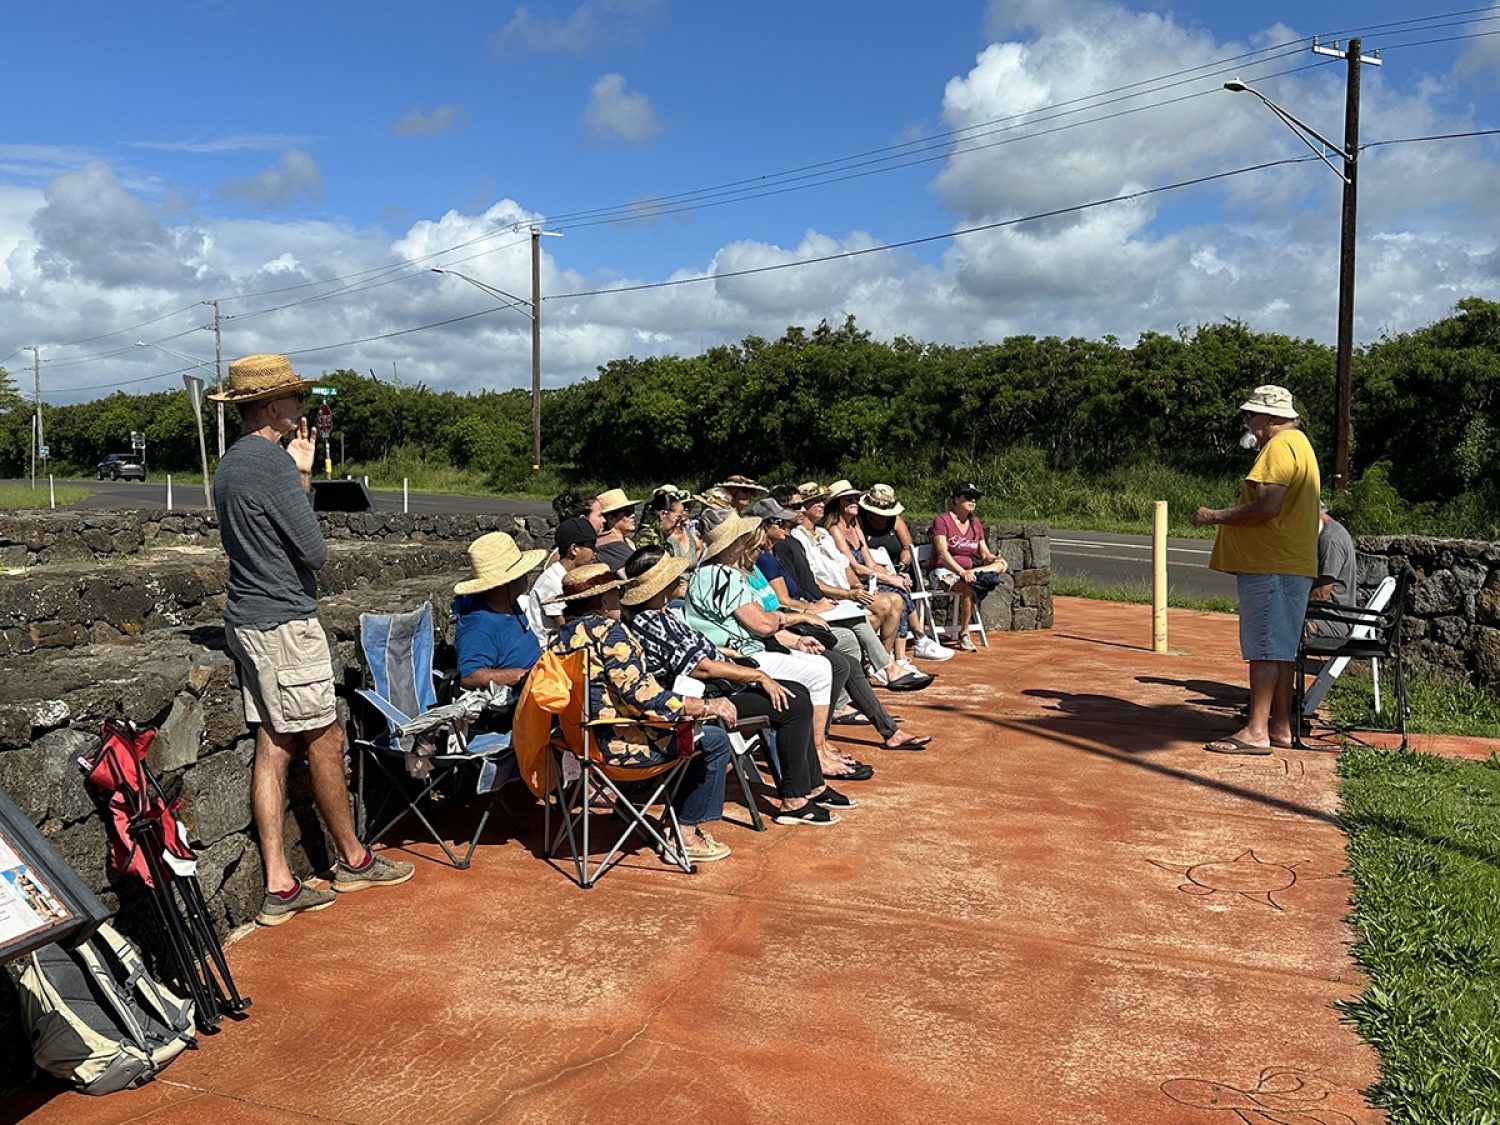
{"x": 1373, "y": 635}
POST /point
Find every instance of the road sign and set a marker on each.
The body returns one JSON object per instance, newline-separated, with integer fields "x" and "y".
{"x": 326, "y": 392}
{"x": 137, "y": 440}
{"x": 45, "y": 452}
{"x": 325, "y": 420}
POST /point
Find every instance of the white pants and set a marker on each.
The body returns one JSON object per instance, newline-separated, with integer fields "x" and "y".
{"x": 812, "y": 672}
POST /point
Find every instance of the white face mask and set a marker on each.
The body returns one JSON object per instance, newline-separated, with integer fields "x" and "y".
{"x": 1248, "y": 440}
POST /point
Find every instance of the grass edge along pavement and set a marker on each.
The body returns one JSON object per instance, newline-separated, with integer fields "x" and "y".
{"x": 1424, "y": 855}
{"x": 22, "y": 497}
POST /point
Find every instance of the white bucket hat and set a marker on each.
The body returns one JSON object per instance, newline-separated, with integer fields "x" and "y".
{"x": 1270, "y": 399}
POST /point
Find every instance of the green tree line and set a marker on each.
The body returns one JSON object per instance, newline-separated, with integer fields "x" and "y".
{"x": 834, "y": 400}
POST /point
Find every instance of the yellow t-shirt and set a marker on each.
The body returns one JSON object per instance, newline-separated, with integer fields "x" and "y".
{"x": 1287, "y": 543}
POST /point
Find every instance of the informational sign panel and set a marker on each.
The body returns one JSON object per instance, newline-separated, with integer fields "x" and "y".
{"x": 42, "y": 899}
{"x": 325, "y": 420}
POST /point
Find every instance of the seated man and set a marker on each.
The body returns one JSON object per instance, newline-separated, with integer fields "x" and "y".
{"x": 494, "y": 643}
{"x": 574, "y": 540}
{"x": 1337, "y": 579}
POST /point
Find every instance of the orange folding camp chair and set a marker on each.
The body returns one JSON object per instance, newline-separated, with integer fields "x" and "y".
{"x": 559, "y": 758}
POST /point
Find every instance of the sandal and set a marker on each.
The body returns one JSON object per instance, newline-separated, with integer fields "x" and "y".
{"x": 910, "y": 742}
{"x": 850, "y": 719}
{"x": 855, "y": 771}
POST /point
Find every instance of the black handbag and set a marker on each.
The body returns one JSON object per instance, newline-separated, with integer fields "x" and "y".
{"x": 820, "y": 633}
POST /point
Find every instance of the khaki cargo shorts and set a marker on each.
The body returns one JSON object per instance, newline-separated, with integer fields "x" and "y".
{"x": 286, "y": 675}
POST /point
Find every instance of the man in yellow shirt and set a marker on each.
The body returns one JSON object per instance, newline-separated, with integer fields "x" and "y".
{"x": 1269, "y": 541}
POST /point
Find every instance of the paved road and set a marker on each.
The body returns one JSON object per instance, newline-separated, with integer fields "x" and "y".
{"x": 1103, "y": 558}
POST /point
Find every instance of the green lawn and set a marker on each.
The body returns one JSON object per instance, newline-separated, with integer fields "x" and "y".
{"x": 1424, "y": 853}
{"x": 15, "y": 497}
{"x": 1136, "y": 593}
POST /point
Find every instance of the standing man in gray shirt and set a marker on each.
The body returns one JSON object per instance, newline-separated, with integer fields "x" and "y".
{"x": 275, "y": 548}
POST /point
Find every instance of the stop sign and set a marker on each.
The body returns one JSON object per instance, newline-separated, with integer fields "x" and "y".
{"x": 325, "y": 419}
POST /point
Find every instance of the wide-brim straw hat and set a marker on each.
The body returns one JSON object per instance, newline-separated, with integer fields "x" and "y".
{"x": 1270, "y": 399}
{"x": 589, "y": 582}
{"x": 881, "y": 500}
{"x": 256, "y": 378}
{"x": 742, "y": 482}
{"x": 615, "y": 500}
{"x": 839, "y": 489}
{"x": 727, "y": 534}
{"x": 496, "y": 561}
{"x": 644, "y": 587}
{"x": 811, "y": 491}
{"x": 714, "y": 497}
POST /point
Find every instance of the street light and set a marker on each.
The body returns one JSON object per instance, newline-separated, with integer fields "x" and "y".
{"x": 1349, "y": 154}
{"x": 535, "y": 316}
{"x": 194, "y": 386}
{"x": 219, "y": 418}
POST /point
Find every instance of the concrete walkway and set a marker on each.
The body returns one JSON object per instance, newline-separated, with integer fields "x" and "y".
{"x": 1063, "y": 911}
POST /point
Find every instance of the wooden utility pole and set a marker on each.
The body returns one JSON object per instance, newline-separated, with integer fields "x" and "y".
{"x": 1343, "y": 375}
{"x": 36, "y": 449}
{"x": 218, "y": 372}
{"x": 536, "y": 349}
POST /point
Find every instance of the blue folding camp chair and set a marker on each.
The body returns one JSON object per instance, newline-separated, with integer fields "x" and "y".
{"x": 398, "y": 650}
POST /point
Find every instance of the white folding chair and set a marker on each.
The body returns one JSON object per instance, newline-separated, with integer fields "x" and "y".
{"x": 924, "y": 599}
{"x": 1334, "y": 668}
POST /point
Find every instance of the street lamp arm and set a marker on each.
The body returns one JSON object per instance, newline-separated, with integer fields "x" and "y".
{"x": 520, "y": 304}
{"x": 1304, "y": 131}
{"x": 179, "y": 355}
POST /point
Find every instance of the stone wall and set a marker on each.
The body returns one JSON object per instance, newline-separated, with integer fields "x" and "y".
{"x": 1452, "y": 619}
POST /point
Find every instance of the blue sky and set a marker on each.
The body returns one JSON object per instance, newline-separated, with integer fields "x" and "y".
{"x": 158, "y": 156}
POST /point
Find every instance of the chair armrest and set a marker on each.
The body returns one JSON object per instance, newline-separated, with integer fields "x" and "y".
{"x": 753, "y": 722}
{"x": 388, "y": 710}
{"x": 1353, "y": 615}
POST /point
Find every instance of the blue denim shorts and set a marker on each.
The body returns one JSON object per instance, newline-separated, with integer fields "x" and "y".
{"x": 1272, "y": 609}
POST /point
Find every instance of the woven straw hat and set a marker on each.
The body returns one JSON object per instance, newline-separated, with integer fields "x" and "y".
{"x": 727, "y": 534}
{"x": 742, "y": 482}
{"x": 588, "y": 582}
{"x": 667, "y": 570}
{"x": 839, "y": 489}
{"x": 614, "y": 500}
{"x": 259, "y": 377}
{"x": 811, "y": 491}
{"x": 714, "y": 497}
{"x": 881, "y": 500}
{"x": 496, "y": 560}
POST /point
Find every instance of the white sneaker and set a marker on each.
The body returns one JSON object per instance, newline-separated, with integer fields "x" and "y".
{"x": 908, "y": 667}
{"x": 928, "y": 649}
{"x": 878, "y": 677}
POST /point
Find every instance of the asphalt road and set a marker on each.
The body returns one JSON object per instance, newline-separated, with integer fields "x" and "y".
{"x": 1102, "y": 558}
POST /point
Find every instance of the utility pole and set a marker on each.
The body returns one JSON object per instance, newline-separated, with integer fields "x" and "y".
{"x": 536, "y": 349}
{"x": 36, "y": 371}
{"x": 218, "y": 372}
{"x": 1343, "y": 377}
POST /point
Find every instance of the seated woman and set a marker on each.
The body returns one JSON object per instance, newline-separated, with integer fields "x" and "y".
{"x": 494, "y": 642}
{"x": 616, "y": 542}
{"x": 961, "y": 560}
{"x": 674, "y": 649}
{"x": 620, "y": 686}
{"x": 883, "y": 529}
{"x": 722, "y": 605}
{"x": 835, "y": 579}
{"x": 667, "y": 525}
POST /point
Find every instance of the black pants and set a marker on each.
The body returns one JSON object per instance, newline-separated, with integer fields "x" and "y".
{"x": 800, "y": 772}
{"x": 849, "y": 675}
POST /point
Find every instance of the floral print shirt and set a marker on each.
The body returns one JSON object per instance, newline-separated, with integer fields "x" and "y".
{"x": 621, "y": 686}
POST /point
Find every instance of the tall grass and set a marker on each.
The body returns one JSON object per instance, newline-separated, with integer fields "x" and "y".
{"x": 22, "y": 497}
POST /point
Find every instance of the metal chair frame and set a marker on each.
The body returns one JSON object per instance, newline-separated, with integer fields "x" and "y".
{"x": 384, "y": 751}
{"x": 925, "y": 597}
{"x": 1374, "y": 635}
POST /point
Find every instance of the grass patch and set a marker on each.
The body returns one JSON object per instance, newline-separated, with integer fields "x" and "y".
{"x": 1439, "y": 705}
{"x": 1136, "y": 593}
{"x": 18, "y": 497}
{"x": 1424, "y": 853}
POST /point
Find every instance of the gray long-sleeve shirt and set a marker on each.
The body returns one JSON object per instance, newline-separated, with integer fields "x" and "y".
{"x": 270, "y": 533}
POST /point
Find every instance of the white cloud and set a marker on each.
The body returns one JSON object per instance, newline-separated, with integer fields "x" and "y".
{"x": 231, "y": 142}
{"x": 589, "y": 25}
{"x": 296, "y": 177}
{"x": 416, "y": 123}
{"x": 615, "y": 111}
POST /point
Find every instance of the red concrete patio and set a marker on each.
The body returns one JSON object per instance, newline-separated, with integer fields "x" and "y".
{"x": 1064, "y": 911}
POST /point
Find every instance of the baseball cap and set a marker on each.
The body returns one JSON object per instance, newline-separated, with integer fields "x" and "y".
{"x": 966, "y": 488}
{"x": 574, "y": 531}
{"x": 770, "y": 509}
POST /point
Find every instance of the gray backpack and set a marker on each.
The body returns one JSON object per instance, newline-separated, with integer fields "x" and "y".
{"x": 97, "y": 1018}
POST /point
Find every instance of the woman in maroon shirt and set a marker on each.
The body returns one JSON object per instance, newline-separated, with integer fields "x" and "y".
{"x": 959, "y": 554}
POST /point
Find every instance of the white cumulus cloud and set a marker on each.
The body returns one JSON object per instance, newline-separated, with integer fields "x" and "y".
{"x": 615, "y": 111}
{"x": 296, "y": 177}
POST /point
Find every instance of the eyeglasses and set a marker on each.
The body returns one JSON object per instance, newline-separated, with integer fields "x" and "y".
{"x": 787, "y": 524}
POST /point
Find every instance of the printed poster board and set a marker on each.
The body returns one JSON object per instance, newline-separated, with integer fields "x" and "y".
{"x": 42, "y": 899}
